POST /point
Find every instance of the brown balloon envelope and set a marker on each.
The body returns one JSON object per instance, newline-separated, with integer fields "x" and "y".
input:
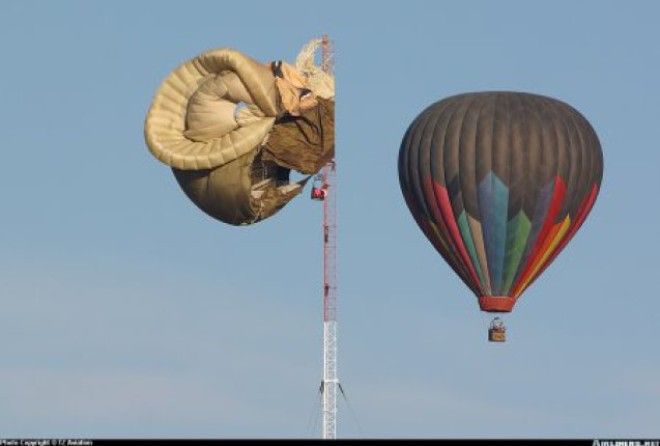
{"x": 500, "y": 182}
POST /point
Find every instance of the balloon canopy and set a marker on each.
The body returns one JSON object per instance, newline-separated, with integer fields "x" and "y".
{"x": 500, "y": 182}
{"x": 232, "y": 129}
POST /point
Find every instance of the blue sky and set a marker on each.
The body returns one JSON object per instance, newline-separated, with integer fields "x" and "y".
{"x": 125, "y": 312}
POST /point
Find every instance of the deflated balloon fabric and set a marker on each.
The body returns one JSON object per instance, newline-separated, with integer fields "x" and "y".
{"x": 212, "y": 116}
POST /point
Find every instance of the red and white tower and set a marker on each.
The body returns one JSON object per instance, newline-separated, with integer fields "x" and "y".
{"x": 330, "y": 380}
{"x": 330, "y": 383}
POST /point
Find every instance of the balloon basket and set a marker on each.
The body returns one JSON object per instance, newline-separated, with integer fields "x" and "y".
{"x": 497, "y": 331}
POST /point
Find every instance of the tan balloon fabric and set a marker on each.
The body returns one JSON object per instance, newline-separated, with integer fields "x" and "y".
{"x": 294, "y": 95}
{"x": 234, "y": 193}
{"x": 320, "y": 82}
{"x": 305, "y": 143}
{"x": 191, "y": 123}
{"x": 210, "y": 120}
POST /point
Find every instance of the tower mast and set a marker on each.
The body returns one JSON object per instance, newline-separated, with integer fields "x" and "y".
{"x": 330, "y": 383}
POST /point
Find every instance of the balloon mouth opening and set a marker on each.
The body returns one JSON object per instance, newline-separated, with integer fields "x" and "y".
{"x": 497, "y": 304}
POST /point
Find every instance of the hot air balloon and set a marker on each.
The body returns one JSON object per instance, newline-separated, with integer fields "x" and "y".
{"x": 232, "y": 128}
{"x": 499, "y": 182}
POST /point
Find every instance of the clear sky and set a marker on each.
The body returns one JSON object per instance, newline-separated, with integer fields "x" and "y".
{"x": 126, "y": 312}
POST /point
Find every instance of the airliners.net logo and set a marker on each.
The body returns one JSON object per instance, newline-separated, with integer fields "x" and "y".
{"x": 626, "y": 443}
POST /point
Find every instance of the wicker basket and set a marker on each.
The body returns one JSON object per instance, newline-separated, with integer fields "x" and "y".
{"x": 496, "y": 335}
{"x": 497, "y": 331}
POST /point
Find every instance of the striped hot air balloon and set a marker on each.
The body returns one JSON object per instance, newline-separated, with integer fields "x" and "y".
{"x": 500, "y": 182}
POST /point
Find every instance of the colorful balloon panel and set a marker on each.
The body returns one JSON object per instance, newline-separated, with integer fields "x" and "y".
{"x": 499, "y": 182}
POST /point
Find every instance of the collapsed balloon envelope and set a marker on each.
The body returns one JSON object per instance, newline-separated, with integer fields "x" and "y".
{"x": 500, "y": 182}
{"x": 232, "y": 128}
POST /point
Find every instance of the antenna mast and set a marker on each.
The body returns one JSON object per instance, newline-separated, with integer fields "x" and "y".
{"x": 330, "y": 383}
